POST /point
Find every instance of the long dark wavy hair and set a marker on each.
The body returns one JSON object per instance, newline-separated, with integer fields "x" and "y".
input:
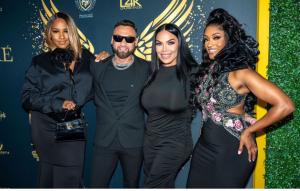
{"x": 241, "y": 51}
{"x": 184, "y": 61}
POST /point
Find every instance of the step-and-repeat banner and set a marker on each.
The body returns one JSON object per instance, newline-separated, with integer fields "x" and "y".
{"x": 21, "y": 38}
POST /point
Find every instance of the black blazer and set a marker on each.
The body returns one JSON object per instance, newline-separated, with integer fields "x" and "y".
{"x": 47, "y": 85}
{"x": 129, "y": 125}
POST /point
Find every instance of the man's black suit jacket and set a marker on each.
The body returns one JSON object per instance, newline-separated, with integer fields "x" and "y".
{"x": 129, "y": 125}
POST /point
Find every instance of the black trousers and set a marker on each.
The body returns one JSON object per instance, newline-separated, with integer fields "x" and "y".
{"x": 56, "y": 176}
{"x": 105, "y": 160}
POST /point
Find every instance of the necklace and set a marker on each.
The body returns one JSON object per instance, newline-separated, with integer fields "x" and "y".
{"x": 122, "y": 66}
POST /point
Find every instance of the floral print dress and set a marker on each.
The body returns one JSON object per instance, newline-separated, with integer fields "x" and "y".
{"x": 217, "y": 99}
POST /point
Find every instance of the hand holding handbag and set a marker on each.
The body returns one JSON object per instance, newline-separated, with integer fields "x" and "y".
{"x": 72, "y": 126}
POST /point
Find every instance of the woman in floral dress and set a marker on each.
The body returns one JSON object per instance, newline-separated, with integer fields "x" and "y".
{"x": 223, "y": 89}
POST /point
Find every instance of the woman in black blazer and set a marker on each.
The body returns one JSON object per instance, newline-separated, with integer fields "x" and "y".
{"x": 58, "y": 81}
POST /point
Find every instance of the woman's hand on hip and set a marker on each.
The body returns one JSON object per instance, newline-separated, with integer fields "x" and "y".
{"x": 247, "y": 140}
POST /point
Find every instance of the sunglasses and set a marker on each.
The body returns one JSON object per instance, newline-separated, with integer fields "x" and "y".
{"x": 128, "y": 39}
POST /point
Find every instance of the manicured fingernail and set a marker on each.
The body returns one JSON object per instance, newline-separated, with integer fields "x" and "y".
{"x": 239, "y": 152}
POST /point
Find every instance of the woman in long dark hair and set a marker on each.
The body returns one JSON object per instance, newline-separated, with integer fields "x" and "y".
{"x": 223, "y": 91}
{"x": 57, "y": 85}
{"x": 168, "y": 141}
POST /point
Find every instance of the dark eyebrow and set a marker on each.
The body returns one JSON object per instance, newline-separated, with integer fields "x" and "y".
{"x": 216, "y": 34}
{"x": 213, "y": 35}
{"x": 58, "y": 28}
{"x": 171, "y": 39}
{"x": 167, "y": 40}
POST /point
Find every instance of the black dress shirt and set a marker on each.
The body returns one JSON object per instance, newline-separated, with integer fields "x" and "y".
{"x": 47, "y": 84}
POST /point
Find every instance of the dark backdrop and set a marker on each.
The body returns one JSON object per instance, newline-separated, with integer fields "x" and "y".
{"x": 21, "y": 38}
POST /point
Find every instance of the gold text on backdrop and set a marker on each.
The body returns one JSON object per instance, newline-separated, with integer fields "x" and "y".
{"x": 6, "y": 55}
{"x": 130, "y": 4}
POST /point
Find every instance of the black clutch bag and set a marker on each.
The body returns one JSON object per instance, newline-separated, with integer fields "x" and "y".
{"x": 71, "y": 130}
{"x": 70, "y": 126}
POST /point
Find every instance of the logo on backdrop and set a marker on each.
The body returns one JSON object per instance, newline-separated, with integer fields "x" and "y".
{"x": 130, "y": 4}
{"x": 34, "y": 153}
{"x": 6, "y": 54}
{"x": 2, "y": 115}
{"x": 3, "y": 151}
{"x": 85, "y": 6}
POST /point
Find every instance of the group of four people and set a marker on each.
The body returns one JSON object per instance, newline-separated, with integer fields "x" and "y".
{"x": 169, "y": 90}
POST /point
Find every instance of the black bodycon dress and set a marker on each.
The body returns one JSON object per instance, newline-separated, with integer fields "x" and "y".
{"x": 168, "y": 140}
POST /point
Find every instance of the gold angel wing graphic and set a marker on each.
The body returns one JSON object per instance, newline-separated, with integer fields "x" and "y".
{"x": 48, "y": 12}
{"x": 177, "y": 12}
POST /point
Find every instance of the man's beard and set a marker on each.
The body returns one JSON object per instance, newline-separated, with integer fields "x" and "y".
{"x": 123, "y": 55}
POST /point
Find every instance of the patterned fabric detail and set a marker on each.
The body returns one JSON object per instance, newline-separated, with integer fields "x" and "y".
{"x": 216, "y": 98}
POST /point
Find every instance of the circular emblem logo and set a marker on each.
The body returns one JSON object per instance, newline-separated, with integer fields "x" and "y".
{"x": 85, "y": 5}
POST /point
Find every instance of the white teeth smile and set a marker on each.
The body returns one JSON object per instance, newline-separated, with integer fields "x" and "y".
{"x": 165, "y": 56}
{"x": 211, "y": 51}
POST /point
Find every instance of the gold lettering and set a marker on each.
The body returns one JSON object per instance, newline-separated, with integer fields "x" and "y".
{"x": 121, "y": 5}
{"x": 7, "y": 57}
{"x": 35, "y": 155}
{"x": 130, "y": 4}
{"x": 136, "y": 3}
{"x": 2, "y": 151}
